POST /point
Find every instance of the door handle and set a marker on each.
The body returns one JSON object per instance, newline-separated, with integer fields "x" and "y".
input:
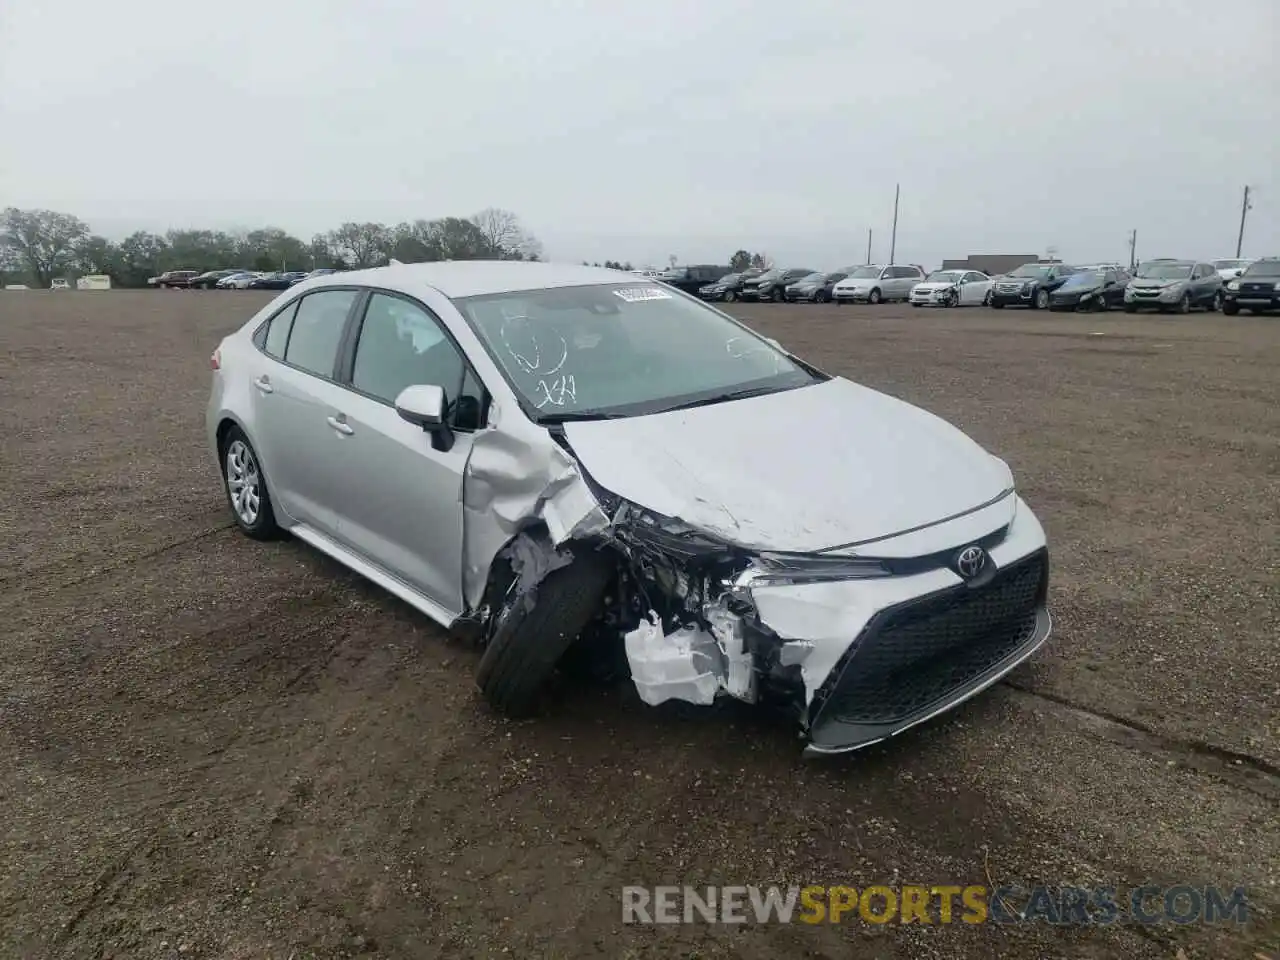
{"x": 341, "y": 426}
{"x": 263, "y": 383}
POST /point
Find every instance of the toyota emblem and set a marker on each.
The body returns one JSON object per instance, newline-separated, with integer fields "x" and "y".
{"x": 971, "y": 561}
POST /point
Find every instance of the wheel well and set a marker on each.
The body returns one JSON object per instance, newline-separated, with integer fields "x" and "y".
{"x": 224, "y": 428}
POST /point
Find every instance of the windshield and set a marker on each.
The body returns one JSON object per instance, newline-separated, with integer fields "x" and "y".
{"x": 813, "y": 278}
{"x": 1164, "y": 271}
{"x": 1088, "y": 278}
{"x": 944, "y": 276}
{"x": 771, "y": 274}
{"x": 621, "y": 350}
{"x": 730, "y": 278}
{"x": 1230, "y": 264}
{"x": 865, "y": 273}
{"x": 1032, "y": 271}
{"x": 1263, "y": 268}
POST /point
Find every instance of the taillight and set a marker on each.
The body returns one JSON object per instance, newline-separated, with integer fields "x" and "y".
{"x": 215, "y": 360}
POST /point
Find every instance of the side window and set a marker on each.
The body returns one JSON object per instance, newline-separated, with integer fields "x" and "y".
{"x": 1109, "y": 276}
{"x": 317, "y": 330}
{"x": 401, "y": 345}
{"x": 278, "y": 331}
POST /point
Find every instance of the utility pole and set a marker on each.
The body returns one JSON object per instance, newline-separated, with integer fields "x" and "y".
{"x": 893, "y": 240}
{"x": 1133, "y": 248}
{"x": 1244, "y": 209}
{"x": 868, "y": 247}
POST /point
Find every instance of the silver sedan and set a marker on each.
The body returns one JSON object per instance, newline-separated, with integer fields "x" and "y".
{"x": 566, "y": 464}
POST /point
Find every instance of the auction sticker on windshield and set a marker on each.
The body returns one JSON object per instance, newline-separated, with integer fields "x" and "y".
{"x": 637, "y": 294}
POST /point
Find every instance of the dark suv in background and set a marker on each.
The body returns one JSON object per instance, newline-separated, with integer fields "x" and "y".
{"x": 770, "y": 284}
{"x": 1029, "y": 286}
{"x": 691, "y": 279}
{"x": 1256, "y": 290}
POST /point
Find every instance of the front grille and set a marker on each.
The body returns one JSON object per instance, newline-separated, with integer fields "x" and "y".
{"x": 913, "y": 656}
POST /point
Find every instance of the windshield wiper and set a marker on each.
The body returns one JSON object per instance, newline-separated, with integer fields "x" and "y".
{"x": 725, "y": 397}
{"x": 577, "y": 415}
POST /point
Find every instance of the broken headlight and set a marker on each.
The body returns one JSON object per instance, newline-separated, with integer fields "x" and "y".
{"x": 772, "y": 569}
{"x": 671, "y": 536}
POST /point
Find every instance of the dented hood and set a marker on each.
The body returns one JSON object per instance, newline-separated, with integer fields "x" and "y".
{"x": 829, "y": 465}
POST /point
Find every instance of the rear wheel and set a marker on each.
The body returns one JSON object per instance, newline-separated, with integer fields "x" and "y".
{"x": 821, "y": 297}
{"x": 528, "y": 641}
{"x": 246, "y": 487}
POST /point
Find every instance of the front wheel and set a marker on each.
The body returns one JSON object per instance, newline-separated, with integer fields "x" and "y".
{"x": 821, "y": 297}
{"x": 874, "y": 296}
{"x": 1184, "y": 305}
{"x": 246, "y": 488}
{"x": 728, "y": 296}
{"x": 1101, "y": 306}
{"x": 530, "y": 638}
{"x": 986, "y": 299}
{"x": 997, "y": 305}
{"x": 1042, "y": 300}
{"x": 1231, "y": 309}
{"x": 1130, "y": 308}
{"x": 953, "y": 299}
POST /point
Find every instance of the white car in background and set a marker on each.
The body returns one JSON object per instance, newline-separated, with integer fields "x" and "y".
{"x": 876, "y": 283}
{"x": 237, "y": 281}
{"x": 952, "y": 288}
{"x": 1231, "y": 268}
{"x": 60, "y": 284}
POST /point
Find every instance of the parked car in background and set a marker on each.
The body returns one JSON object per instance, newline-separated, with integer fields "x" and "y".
{"x": 237, "y": 281}
{"x": 1256, "y": 290}
{"x": 209, "y": 279}
{"x": 1231, "y": 268}
{"x": 952, "y": 288}
{"x": 1030, "y": 285}
{"x": 60, "y": 283}
{"x": 770, "y": 284}
{"x": 718, "y": 289}
{"x": 649, "y": 273}
{"x": 877, "y": 282}
{"x": 690, "y": 279}
{"x": 174, "y": 279}
{"x": 641, "y": 513}
{"x": 815, "y": 288}
{"x": 275, "y": 281}
{"x": 1096, "y": 287}
{"x": 1167, "y": 285}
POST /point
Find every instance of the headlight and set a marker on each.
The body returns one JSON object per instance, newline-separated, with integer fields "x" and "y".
{"x": 771, "y": 569}
{"x": 1233, "y": 285}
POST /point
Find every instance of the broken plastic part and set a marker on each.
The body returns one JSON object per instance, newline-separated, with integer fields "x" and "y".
{"x": 740, "y": 675}
{"x": 684, "y": 665}
{"x": 794, "y": 652}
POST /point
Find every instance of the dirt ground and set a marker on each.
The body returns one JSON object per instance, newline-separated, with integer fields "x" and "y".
{"x": 211, "y": 747}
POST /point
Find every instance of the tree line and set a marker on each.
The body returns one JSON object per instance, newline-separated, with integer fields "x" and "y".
{"x": 37, "y": 246}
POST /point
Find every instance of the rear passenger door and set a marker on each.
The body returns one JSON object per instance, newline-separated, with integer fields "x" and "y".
{"x": 400, "y": 503}
{"x": 295, "y": 399}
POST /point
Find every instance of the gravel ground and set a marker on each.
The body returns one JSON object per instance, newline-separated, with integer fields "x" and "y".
{"x": 218, "y": 748}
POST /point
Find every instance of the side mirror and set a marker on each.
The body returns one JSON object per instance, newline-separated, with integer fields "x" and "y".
{"x": 423, "y": 405}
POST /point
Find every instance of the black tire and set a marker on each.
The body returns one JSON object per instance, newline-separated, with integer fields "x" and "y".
{"x": 997, "y": 305}
{"x": 1101, "y": 306}
{"x": 1231, "y": 309}
{"x": 1041, "y": 300}
{"x": 821, "y": 297}
{"x": 526, "y": 644}
{"x": 264, "y": 527}
{"x": 728, "y": 296}
{"x": 986, "y": 299}
{"x": 1215, "y": 304}
{"x": 874, "y": 296}
{"x": 1184, "y": 305}
{"x": 1130, "y": 308}
{"x": 953, "y": 299}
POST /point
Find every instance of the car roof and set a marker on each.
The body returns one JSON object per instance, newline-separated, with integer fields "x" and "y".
{"x": 471, "y": 278}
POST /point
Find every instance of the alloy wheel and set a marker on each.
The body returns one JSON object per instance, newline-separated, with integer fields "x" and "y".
{"x": 243, "y": 481}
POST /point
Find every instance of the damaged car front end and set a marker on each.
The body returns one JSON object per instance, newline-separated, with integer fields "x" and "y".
{"x": 648, "y": 483}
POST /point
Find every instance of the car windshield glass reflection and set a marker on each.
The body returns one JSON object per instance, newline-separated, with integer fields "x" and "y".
{"x": 621, "y": 350}
{"x": 1164, "y": 271}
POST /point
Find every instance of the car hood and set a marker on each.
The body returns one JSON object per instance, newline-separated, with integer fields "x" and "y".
{"x": 928, "y": 286}
{"x": 1143, "y": 284}
{"x": 1068, "y": 289}
{"x": 856, "y": 283}
{"x": 829, "y": 465}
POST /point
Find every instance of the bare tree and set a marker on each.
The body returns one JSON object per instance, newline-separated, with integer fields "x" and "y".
{"x": 361, "y": 244}
{"x": 505, "y": 236}
{"x": 42, "y": 241}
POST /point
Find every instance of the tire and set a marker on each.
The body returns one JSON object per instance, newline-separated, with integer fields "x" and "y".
{"x": 728, "y": 296}
{"x": 1130, "y": 308}
{"x": 997, "y": 305}
{"x": 953, "y": 299}
{"x": 986, "y": 299}
{"x": 239, "y": 463}
{"x": 1215, "y": 305}
{"x": 1231, "y": 309}
{"x": 1041, "y": 300}
{"x": 874, "y": 296}
{"x": 1184, "y": 305}
{"x": 1101, "y": 305}
{"x": 821, "y": 297}
{"x": 527, "y": 644}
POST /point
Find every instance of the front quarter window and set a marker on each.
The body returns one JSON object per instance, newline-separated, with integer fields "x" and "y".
{"x": 607, "y": 350}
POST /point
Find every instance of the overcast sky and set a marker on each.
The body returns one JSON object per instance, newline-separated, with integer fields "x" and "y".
{"x": 638, "y": 130}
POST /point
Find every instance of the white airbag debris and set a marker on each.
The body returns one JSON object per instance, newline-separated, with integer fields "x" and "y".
{"x": 683, "y": 665}
{"x": 740, "y": 674}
